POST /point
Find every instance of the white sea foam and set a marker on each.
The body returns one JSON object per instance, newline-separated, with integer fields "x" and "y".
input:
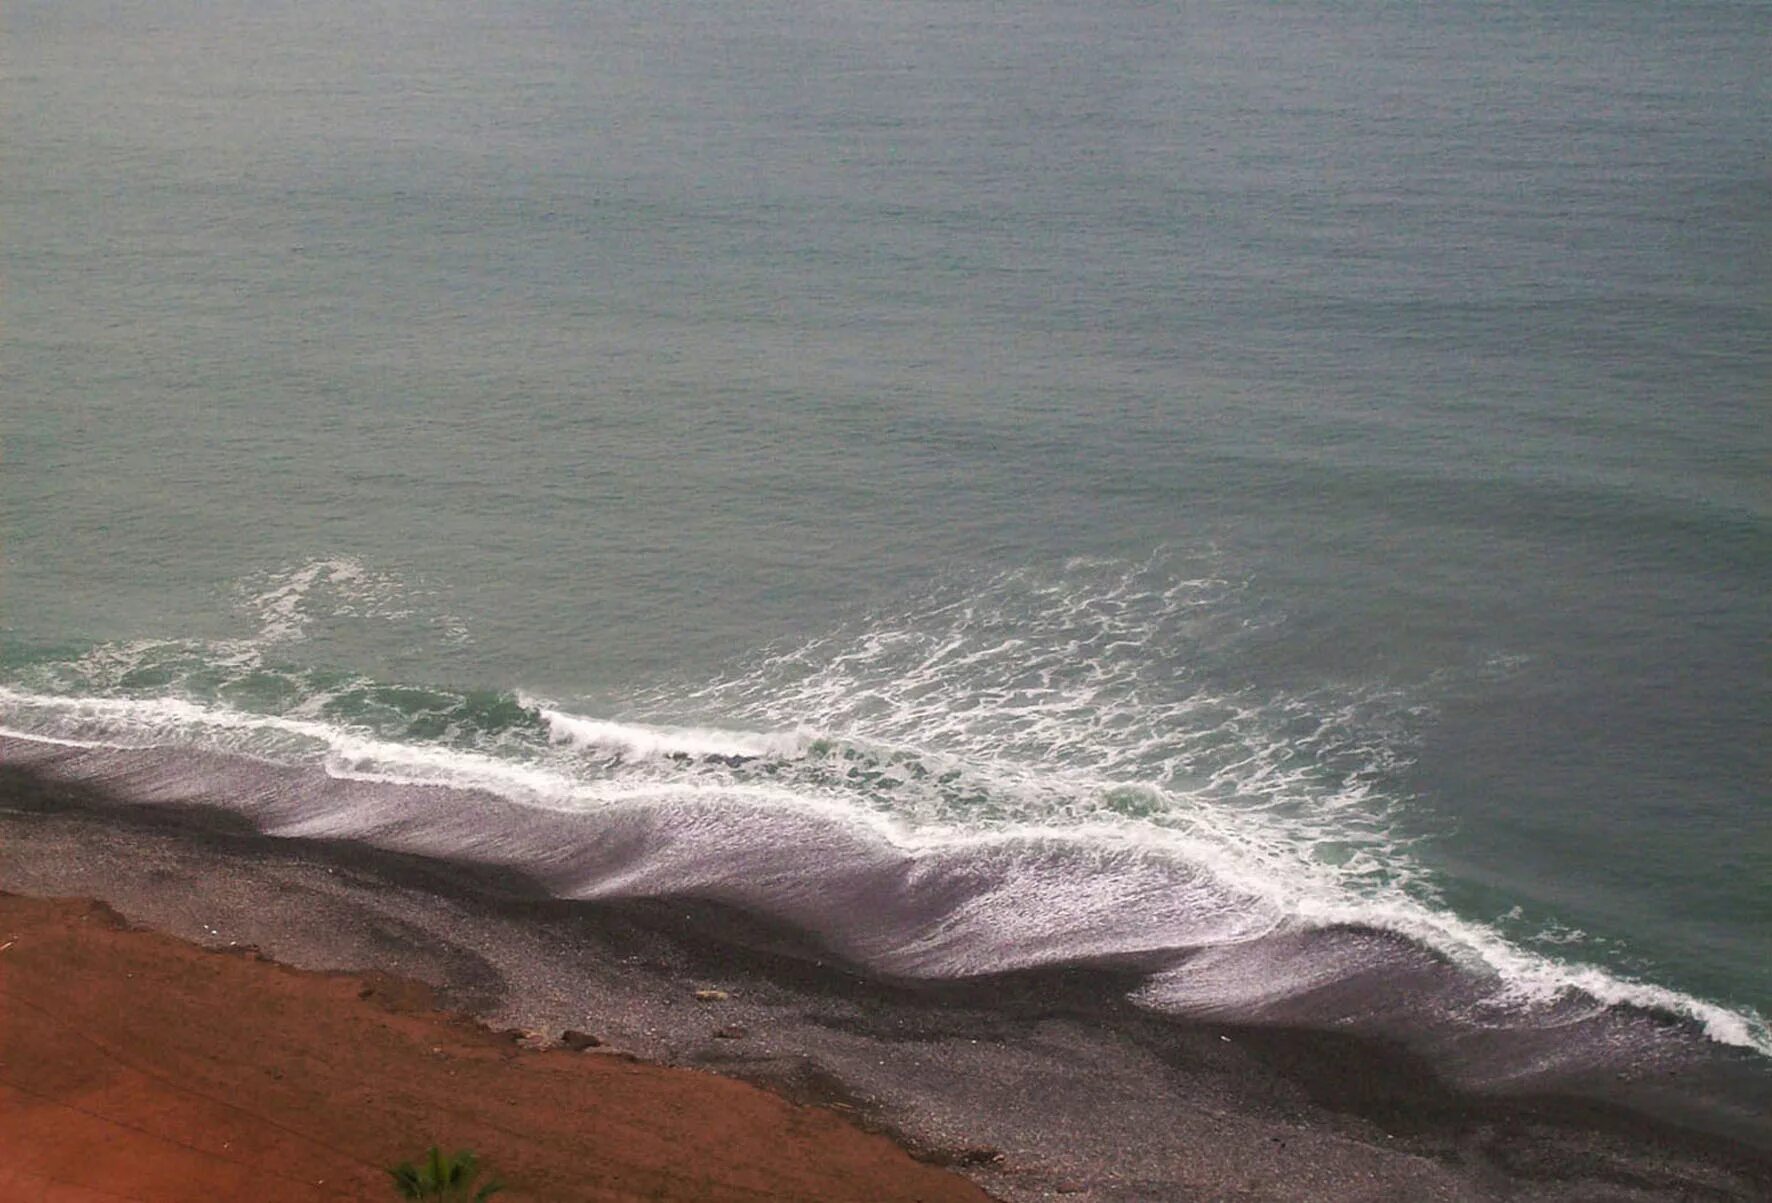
{"x": 284, "y": 602}
{"x": 287, "y": 604}
{"x": 1032, "y": 715}
{"x": 641, "y": 741}
{"x": 277, "y": 739}
{"x": 1101, "y": 902}
{"x": 1061, "y": 703}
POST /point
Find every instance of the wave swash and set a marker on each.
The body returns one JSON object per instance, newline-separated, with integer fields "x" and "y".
{"x": 1033, "y": 772}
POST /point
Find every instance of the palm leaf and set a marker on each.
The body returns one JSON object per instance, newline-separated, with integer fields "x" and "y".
{"x": 444, "y": 1177}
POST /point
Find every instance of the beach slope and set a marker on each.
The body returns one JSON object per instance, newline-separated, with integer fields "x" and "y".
{"x": 137, "y": 1066}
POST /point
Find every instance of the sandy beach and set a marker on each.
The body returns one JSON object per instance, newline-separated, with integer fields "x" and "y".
{"x": 137, "y": 1066}
{"x": 1037, "y": 1086}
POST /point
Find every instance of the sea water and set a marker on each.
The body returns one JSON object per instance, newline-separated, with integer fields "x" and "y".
{"x": 1190, "y": 472}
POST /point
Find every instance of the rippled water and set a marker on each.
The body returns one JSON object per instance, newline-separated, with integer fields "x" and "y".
{"x": 1320, "y": 447}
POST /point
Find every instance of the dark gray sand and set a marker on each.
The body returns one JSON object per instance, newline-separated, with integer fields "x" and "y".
{"x": 1042, "y": 1085}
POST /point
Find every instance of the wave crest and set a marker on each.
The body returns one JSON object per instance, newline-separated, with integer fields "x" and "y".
{"x": 1039, "y": 769}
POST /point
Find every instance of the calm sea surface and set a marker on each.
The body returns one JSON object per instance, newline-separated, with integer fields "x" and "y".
{"x": 1325, "y": 442}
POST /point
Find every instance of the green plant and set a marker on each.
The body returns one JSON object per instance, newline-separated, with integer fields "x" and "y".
{"x": 445, "y": 1177}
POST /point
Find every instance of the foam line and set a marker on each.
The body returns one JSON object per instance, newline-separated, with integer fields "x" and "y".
{"x": 906, "y": 902}
{"x": 640, "y": 741}
{"x": 1025, "y": 773}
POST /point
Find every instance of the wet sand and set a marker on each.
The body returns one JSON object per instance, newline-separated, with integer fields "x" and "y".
{"x": 1039, "y": 1085}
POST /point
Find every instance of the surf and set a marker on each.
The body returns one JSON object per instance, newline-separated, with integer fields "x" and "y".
{"x": 1033, "y": 771}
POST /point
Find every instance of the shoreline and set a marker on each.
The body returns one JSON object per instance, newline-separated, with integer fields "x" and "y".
{"x": 1084, "y": 1095}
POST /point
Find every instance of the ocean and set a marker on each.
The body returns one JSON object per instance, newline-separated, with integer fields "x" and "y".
{"x": 991, "y": 486}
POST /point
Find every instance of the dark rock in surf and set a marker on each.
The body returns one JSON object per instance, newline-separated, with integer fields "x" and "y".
{"x": 732, "y": 762}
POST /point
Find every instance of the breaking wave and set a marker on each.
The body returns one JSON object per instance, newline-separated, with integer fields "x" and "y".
{"x": 1041, "y": 770}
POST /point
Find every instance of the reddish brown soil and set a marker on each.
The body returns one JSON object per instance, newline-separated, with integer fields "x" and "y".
{"x": 135, "y": 1066}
